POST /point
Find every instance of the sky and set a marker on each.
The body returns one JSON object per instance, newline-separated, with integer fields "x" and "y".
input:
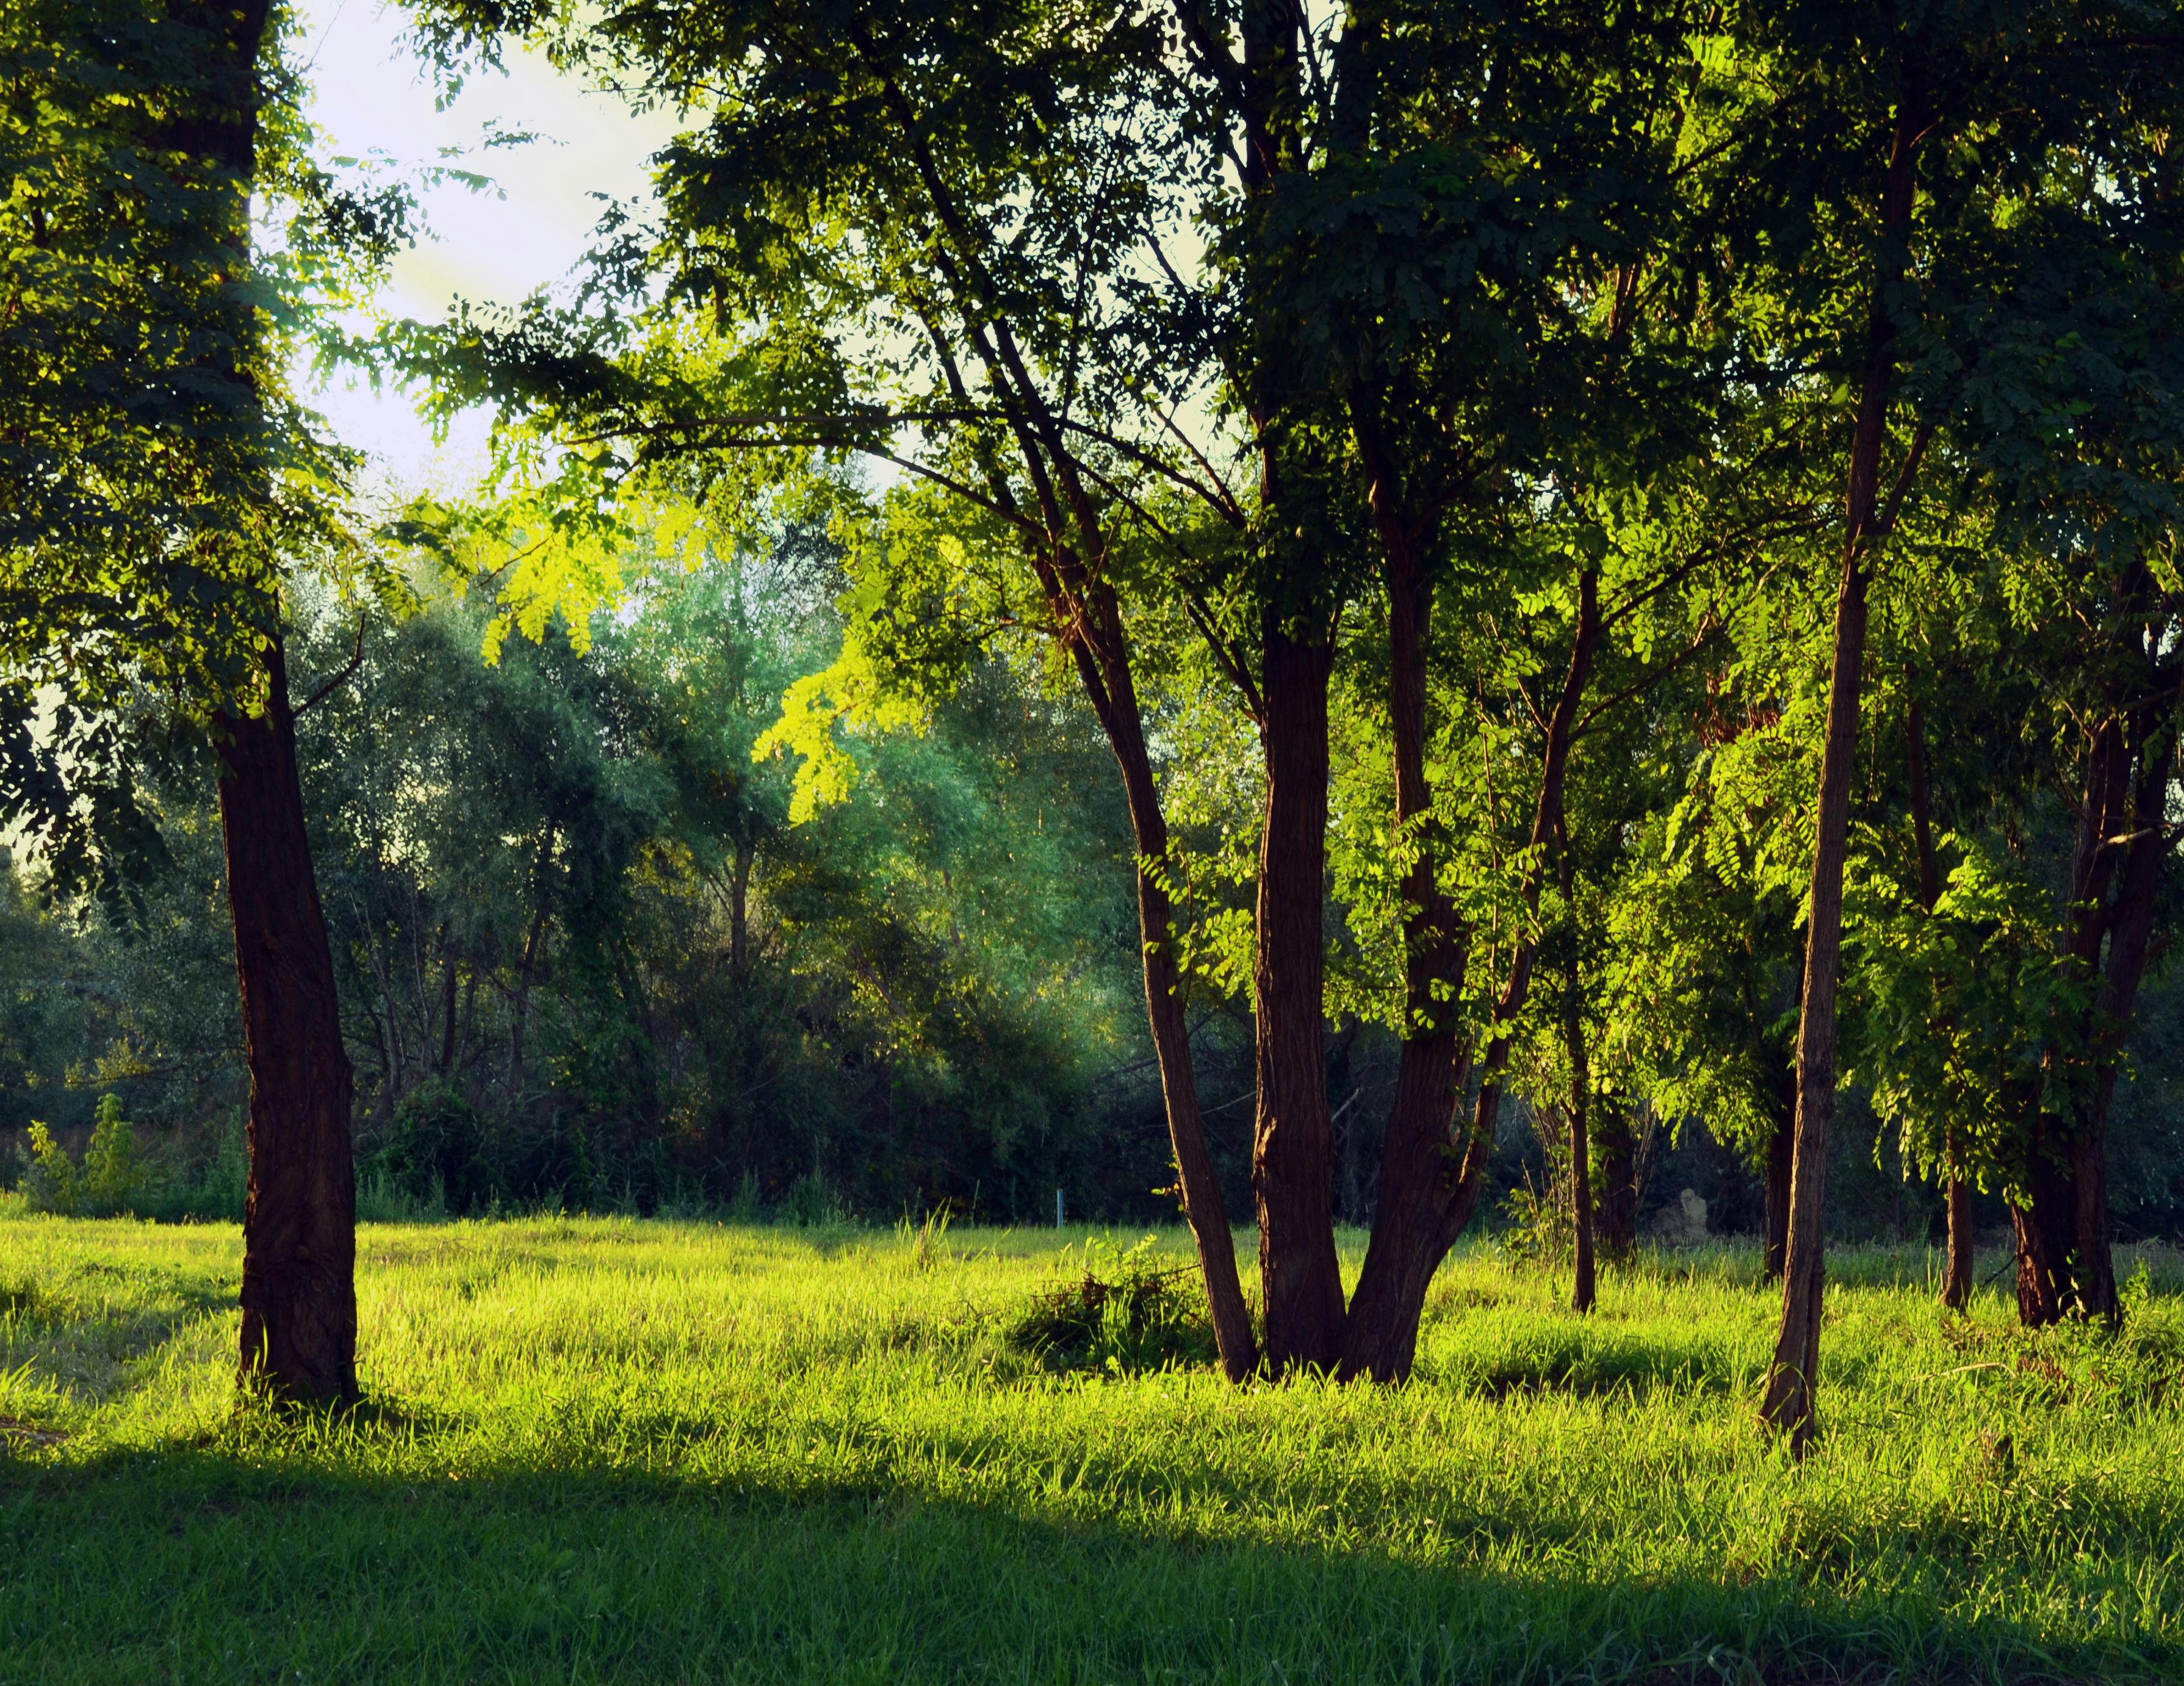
{"x": 370, "y": 97}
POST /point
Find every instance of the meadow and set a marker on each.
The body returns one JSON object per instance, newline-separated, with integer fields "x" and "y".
{"x": 614, "y": 1450}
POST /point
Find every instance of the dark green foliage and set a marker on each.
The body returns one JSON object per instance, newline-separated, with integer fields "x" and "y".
{"x": 1142, "y": 1313}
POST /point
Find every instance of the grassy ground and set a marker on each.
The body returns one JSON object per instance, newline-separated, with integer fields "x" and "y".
{"x": 604, "y": 1449}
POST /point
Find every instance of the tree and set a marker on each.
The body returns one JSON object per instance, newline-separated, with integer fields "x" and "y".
{"x": 159, "y": 485}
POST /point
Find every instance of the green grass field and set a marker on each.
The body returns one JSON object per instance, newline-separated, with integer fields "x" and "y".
{"x": 602, "y": 1450}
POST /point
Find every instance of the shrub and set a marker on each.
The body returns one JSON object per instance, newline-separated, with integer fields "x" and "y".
{"x": 112, "y": 1179}
{"x": 50, "y": 1183}
{"x": 1141, "y": 1317}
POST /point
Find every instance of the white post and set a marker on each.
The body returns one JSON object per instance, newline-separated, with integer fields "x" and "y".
{"x": 1057, "y": 1208}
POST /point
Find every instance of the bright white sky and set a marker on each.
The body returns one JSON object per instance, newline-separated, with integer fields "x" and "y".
{"x": 370, "y": 96}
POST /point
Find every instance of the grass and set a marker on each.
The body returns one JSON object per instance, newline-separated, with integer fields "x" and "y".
{"x": 610, "y": 1449}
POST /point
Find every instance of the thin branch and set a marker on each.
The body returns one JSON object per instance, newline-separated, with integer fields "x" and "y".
{"x": 348, "y": 668}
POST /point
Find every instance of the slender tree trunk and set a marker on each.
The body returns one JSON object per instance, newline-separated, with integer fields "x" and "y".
{"x": 1293, "y": 1150}
{"x": 2130, "y": 936}
{"x": 299, "y": 1209}
{"x": 299, "y": 1212}
{"x": 447, "y": 1003}
{"x": 1547, "y": 820}
{"x": 1793, "y": 1379}
{"x": 1581, "y": 1296}
{"x": 739, "y": 908}
{"x": 526, "y": 967}
{"x": 2045, "y": 1217}
{"x": 1203, "y": 1205}
{"x": 1957, "y": 1280}
{"x": 1430, "y": 1184}
{"x": 1419, "y": 1170}
{"x": 1774, "y": 1244}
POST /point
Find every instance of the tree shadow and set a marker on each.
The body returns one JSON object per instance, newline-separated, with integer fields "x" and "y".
{"x": 235, "y": 1559}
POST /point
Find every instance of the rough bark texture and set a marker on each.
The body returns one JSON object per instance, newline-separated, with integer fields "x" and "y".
{"x": 1293, "y": 1152}
{"x": 299, "y": 1213}
{"x": 1419, "y": 1169}
{"x": 1793, "y": 1378}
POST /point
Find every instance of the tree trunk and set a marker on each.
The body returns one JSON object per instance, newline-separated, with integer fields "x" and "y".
{"x": 1581, "y": 1293}
{"x": 1957, "y": 1282}
{"x": 2047, "y": 1214}
{"x": 739, "y": 908}
{"x": 2043, "y": 1228}
{"x": 447, "y": 1003}
{"x": 1547, "y": 822}
{"x": 1293, "y": 1149}
{"x": 2131, "y": 931}
{"x": 299, "y": 1212}
{"x": 1793, "y": 1378}
{"x": 1774, "y": 1246}
{"x": 526, "y": 966}
{"x": 1419, "y": 1171}
{"x": 1203, "y": 1205}
{"x": 1957, "y": 1279}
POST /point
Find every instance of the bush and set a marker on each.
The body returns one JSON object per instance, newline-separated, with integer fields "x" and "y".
{"x": 1142, "y": 1317}
{"x": 432, "y": 1156}
{"x": 113, "y": 1180}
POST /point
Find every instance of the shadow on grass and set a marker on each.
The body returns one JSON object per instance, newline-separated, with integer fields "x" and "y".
{"x": 201, "y": 1564}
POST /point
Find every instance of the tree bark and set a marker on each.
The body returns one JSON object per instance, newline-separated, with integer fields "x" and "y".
{"x": 1203, "y": 1205}
{"x": 1419, "y": 1166}
{"x": 2131, "y": 931}
{"x": 2047, "y": 1214}
{"x": 1293, "y": 1147}
{"x": 1581, "y": 1293}
{"x": 1793, "y": 1378}
{"x": 299, "y": 1211}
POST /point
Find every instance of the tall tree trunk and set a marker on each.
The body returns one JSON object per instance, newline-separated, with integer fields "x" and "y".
{"x": 447, "y": 1063}
{"x": 1775, "y": 1243}
{"x": 2045, "y": 1217}
{"x": 299, "y": 1211}
{"x": 1581, "y": 1293}
{"x": 1419, "y": 1171}
{"x": 299, "y": 1208}
{"x": 1203, "y": 1205}
{"x": 1430, "y": 1183}
{"x": 526, "y": 965}
{"x": 2130, "y": 929}
{"x": 1793, "y": 1378}
{"x": 1293, "y": 1148}
{"x": 1957, "y": 1280}
{"x": 739, "y": 907}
